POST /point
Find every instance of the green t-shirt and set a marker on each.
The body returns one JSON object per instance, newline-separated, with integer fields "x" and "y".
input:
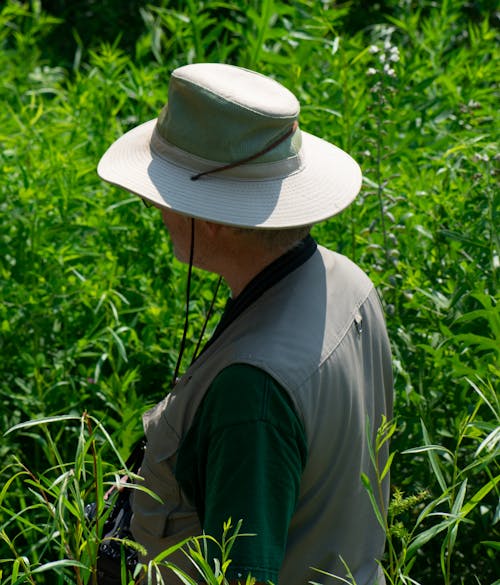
{"x": 243, "y": 458}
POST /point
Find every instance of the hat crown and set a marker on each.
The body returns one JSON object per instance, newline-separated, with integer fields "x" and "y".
{"x": 227, "y": 149}
{"x": 224, "y": 113}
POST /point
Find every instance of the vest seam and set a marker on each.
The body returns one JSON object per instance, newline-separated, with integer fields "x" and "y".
{"x": 348, "y": 326}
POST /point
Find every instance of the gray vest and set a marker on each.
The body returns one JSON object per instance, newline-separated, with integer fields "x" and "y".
{"x": 320, "y": 333}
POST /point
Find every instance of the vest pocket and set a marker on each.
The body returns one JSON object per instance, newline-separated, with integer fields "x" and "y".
{"x": 151, "y": 511}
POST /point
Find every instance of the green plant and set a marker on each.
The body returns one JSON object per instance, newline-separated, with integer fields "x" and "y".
{"x": 53, "y": 521}
{"x": 92, "y": 302}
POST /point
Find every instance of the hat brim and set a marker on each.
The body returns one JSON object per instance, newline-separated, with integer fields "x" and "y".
{"x": 327, "y": 182}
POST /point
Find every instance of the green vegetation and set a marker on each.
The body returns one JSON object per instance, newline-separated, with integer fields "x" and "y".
{"x": 92, "y": 301}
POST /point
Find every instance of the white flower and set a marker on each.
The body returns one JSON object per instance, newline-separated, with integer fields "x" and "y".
{"x": 394, "y": 54}
{"x": 388, "y": 70}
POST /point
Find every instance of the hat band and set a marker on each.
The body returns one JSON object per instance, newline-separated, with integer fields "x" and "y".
{"x": 198, "y": 165}
{"x": 237, "y": 163}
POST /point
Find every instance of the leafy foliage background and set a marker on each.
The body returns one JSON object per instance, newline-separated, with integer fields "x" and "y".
{"x": 92, "y": 301}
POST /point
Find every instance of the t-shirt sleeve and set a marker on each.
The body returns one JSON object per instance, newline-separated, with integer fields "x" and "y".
{"x": 243, "y": 459}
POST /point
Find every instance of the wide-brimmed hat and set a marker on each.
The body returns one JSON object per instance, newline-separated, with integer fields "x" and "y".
{"x": 227, "y": 148}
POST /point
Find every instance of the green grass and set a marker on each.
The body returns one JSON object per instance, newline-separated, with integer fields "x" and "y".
{"x": 92, "y": 301}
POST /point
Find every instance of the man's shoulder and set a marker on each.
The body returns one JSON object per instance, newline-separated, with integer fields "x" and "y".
{"x": 343, "y": 265}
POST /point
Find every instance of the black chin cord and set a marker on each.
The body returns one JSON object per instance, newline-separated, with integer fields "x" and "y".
{"x": 186, "y": 313}
{"x": 209, "y": 313}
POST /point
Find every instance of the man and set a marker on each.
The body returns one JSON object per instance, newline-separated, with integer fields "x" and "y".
{"x": 272, "y": 422}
